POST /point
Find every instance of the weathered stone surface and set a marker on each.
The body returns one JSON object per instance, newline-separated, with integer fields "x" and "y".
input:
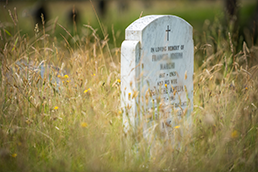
{"x": 157, "y": 70}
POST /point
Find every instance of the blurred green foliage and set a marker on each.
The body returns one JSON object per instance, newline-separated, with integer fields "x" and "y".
{"x": 197, "y": 13}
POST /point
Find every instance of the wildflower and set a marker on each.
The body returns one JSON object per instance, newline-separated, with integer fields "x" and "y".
{"x": 59, "y": 76}
{"x": 118, "y": 80}
{"x": 129, "y": 95}
{"x": 84, "y": 124}
{"x": 120, "y": 112}
{"x": 14, "y": 155}
{"x": 85, "y": 91}
{"x": 246, "y": 88}
{"x": 234, "y": 134}
{"x": 68, "y": 81}
{"x": 66, "y": 76}
{"x": 56, "y": 107}
{"x": 178, "y": 126}
{"x": 166, "y": 85}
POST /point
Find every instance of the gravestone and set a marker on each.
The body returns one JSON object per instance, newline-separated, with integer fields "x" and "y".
{"x": 157, "y": 72}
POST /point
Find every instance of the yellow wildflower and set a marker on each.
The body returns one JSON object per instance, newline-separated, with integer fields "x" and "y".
{"x": 84, "y": 124}
{"x": 56, "y": 107}
{"x": 85, "y": 91}
{"x": 234, "y": 134}
{"x": 177, "y": 127}
{"x": 14, "y": 155}
{"x": 166, "y": 85}
{"x": 66, "y": 76}
{"x": 118, "y": 80}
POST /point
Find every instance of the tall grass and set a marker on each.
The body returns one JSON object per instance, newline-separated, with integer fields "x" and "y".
{"x": 70, "y": 119}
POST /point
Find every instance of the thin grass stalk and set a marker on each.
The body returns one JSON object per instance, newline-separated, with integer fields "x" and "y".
{"x": 102, "y": 30}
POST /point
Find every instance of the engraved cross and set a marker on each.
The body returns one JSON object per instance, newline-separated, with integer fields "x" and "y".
{"x": 168, "y": 30}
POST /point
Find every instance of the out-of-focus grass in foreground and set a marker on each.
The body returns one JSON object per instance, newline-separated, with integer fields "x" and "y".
{"x": 69, "y": 119}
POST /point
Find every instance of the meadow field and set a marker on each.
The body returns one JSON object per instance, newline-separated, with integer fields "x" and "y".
{"x": 69, "y": 117}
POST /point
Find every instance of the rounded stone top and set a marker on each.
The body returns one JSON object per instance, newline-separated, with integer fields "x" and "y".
{"x": 143, "y": 22}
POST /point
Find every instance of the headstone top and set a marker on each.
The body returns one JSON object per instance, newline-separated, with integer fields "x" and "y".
{"x": 154, "y": 25}
{"x": 143, "y": 22}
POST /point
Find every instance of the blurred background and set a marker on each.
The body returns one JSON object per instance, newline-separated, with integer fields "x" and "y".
{"x": 115, "y": 15}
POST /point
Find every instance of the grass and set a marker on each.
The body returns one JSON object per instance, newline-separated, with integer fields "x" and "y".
{"x": 70, "y": 118}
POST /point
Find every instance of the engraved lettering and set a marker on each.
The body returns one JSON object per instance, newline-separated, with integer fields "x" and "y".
{"x": 158, "y": 49}
{"x": 160, "y": 83}
{"x": 174, "y": 56}
{"x": 179, "y": 88}
{"x": 173, "y": 81}
{"x": 162, "y": 75}
{"x": 167, "y": 66}
{"x": 172, "y": 48}
{"x": 159, "y": 57}
{"x": 172, "y": 73}
{"x": 163, "y": 91}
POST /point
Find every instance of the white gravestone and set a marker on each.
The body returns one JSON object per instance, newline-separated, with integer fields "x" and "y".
{"x": 156, "y": 71}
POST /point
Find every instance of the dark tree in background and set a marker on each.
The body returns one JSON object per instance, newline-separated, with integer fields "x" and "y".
{"x": 231, "y": 14}
{"x": 102, "y": 7}
{"x": 231, "y": 7}
{"x": 36, "y": 12}
{"x": 254, "y": 25}
{"x": 248, "y": 29}
{"x": 123, "y": 6}
{"x": 73, "y": 16}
